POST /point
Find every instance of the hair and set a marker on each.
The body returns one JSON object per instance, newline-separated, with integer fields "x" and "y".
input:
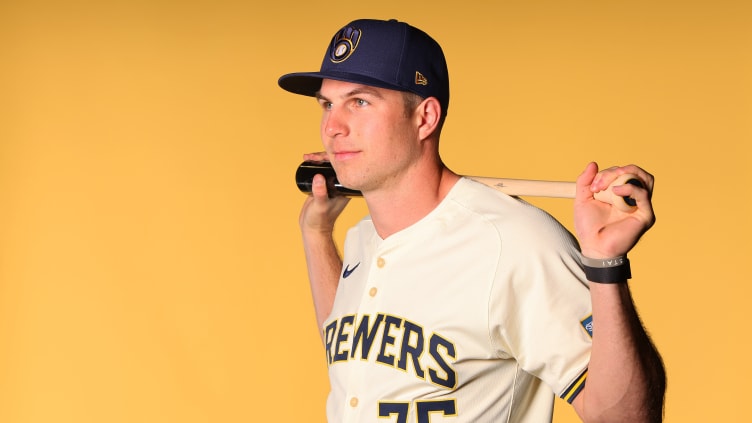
{"x": 410, "y": 101}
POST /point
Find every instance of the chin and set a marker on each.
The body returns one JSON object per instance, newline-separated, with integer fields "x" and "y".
{"x": 349, "y": 182}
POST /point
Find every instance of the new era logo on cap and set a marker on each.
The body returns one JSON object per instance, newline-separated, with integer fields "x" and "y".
{"x": 385, "y": 54}
{"x": 420, "y": 79}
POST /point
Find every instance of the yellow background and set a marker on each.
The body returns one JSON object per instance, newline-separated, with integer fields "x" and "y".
{"x": 150, "y": 263}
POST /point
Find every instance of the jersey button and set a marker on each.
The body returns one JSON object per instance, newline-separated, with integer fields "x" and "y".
{"x": 380, "y": 262}
{"x": 372, "y": 292}
{"x": 354, "y": 402}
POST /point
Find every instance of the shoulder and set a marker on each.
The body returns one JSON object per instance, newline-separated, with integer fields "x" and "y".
{"x": 517, "y": 222}
{"x": 496, "y": 206}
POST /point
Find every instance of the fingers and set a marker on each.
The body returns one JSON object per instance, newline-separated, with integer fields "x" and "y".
{"x": 627, "y": 188}
{"x": 606, "y": 177}
{"x": 641, "y": 197}
{"x": 319, "y": 156}
{"x": 629, "y": 182}
{"x": 320, "y": 211}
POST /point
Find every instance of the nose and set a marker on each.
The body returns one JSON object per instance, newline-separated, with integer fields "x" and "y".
{"x": 333, "y": 124}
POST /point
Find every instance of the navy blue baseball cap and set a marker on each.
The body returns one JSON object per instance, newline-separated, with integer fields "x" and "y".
{"x": 385, "y": 54}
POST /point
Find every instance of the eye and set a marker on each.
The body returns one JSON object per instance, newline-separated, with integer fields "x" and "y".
{"x": 326, "y": 105}
{"x": 361, "y": 103}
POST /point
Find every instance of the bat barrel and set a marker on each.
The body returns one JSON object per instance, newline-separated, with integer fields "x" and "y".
{"x": 308, "y": 169}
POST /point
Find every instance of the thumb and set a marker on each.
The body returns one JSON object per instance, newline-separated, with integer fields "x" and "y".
{"x": 318, "y": 187}
{"x": 585, "y": 180}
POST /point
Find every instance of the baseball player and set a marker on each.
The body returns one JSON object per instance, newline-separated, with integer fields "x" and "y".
{"x": 454, "y": 302}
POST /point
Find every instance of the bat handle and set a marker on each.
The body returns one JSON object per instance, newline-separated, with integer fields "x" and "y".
{"x": 625, "y": 204}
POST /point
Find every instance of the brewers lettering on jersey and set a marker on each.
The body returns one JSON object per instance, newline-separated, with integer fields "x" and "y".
{"x": 401, "y": 344}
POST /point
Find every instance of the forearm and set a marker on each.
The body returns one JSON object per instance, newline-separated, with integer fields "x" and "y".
{"x": 626, "y": 379}
{"x": 324, "y": 265}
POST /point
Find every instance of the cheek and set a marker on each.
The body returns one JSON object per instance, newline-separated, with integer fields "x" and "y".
{"x": 401, "y": 136}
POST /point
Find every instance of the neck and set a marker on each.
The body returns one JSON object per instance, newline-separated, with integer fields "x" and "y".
{"x": 404, "y": 204}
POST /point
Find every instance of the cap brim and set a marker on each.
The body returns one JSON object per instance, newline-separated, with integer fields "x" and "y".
{"x": 309, "y": 83}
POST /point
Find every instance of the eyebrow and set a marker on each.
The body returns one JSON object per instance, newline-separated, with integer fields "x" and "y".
{"x": 361, "y": 89}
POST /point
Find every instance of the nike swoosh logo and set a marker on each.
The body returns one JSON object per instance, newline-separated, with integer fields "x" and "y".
{"x": 349, "y": 271}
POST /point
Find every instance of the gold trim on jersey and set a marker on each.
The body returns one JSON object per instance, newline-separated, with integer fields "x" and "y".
{"x": 571, "y": 392}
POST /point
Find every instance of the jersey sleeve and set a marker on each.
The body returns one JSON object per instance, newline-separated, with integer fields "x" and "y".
{"x": 540, "y": 304}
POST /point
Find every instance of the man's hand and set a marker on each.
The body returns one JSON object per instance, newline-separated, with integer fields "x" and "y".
{"x": 319, "y": 210}
{"x": 603, "y": 230}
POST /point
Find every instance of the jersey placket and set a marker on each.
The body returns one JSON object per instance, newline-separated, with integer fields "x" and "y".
{"x": 359, "y": 382}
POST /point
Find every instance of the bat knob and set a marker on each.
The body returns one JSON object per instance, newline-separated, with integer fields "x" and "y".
{"x": 308, "y": 169}
{"x": 636, "y": 182}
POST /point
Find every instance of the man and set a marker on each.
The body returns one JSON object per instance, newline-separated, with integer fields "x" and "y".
{"x": 455, "y": 302}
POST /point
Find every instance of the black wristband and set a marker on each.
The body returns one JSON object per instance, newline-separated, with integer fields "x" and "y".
{"x": 613, "y": 274}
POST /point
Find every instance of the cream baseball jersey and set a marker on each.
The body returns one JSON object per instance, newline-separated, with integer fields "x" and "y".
{"x": 477, "y": 313}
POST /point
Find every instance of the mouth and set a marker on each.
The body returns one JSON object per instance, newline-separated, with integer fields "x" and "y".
{"x": 345, "y": 155}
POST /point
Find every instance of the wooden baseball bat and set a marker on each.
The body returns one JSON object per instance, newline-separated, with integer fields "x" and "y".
{"x": 509, "y": 186}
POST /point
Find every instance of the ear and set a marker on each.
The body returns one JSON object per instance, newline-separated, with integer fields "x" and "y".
{"x": 428, "y": 114}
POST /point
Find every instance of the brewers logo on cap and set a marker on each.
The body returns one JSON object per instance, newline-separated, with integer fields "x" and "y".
{"x": 344, "y": 44}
